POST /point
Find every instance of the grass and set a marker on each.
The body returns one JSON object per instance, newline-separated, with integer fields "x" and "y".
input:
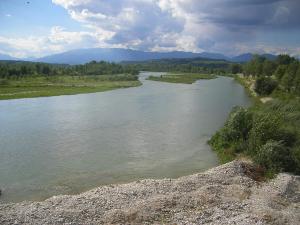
{"x": 185, "y": 78}
{"x": 30, "y": 87}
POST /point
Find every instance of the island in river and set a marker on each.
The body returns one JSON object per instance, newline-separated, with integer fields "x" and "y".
{"x": 184, "y": 78}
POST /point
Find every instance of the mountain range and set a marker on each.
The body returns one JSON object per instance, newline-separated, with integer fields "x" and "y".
{"x": 80, "y": 56}
{"x": 6, "y": 57}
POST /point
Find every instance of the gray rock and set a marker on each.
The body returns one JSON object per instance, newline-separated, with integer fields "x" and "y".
{"x": 228, "y": 194}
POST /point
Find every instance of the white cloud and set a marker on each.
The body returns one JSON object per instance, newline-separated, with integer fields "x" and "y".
{"x": 8, "y": 15}
{"x": 226, "y": 26}
{"x": 58, "y": 40}
{"x": 189, "y": 25}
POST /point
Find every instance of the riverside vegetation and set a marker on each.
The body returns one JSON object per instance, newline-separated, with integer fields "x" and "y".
{"x": 268, "y": 133}
{"x": 26, "y": 79}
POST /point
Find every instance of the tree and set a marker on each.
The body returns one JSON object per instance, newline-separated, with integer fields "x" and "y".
{"x": 269, "y": 68}
{"x": 23, "y": 70}
{"x": 284, "y": 60}
{"x": 280, "y": 71}
{"x": 265, "y": 86}
{"x": 46, "y": 70}
{"x": 297, "y": 81}
{"x": 289, "y": 76}
{"x": 236, "y": 68}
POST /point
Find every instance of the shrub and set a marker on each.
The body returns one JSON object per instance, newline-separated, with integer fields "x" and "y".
{"x": 239, "y": 123}
{"x": 274, "y": 156}
{"x": 265, "y": 127}
{"x": 233, "y": 136}
{"x": 268, "y": 133}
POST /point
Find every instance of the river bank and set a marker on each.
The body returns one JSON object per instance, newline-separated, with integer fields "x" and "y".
{"x": 228, "y": 194}
{"x": 32, "y": 86}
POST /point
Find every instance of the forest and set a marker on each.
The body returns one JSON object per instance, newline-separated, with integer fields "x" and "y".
{"x": 192, "y": 65}
{"x": 282, "y": 74}
{"x": 14, "y": 69}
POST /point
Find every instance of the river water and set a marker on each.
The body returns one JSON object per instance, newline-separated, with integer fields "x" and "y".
{"x": 69, "y": 144}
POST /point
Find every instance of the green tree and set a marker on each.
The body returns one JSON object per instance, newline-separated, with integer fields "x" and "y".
{"x": 46, "y": 70}
{"x": 269, "y": 68}
{"x": 265, "y": 86}
{"x": 284, "y": 60}
{"x": 236, "y": 68}
{"x": 289, "y": 76}
{"x": 280, "y": 71}
{"x": 297, "y": 81}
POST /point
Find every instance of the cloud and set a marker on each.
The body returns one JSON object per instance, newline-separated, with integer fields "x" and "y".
{"x": 191, "y": 25}
{"x": 8, "y": 15}
{"x": 225, "y": 26}
{"x": 59, "y": 40}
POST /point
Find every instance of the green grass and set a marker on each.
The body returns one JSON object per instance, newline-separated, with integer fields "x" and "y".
{"x": 30, "y": 87}
{"x": 185, "y": 78}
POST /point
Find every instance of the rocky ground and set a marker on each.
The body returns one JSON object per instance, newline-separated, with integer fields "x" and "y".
{"x": 228, "y": 194}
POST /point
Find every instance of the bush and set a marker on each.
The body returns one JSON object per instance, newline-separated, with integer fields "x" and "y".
{"x": 265, "y": 127}
{"x": 274, "y": 156}
{"x": 235, "y": 130}
{"x": 265, "y": 86}
{"x": 268, "y": 133}
{"x": 232, "y": 138}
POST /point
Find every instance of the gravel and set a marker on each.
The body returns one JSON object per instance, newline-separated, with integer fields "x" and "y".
{"x": 228, "y": 194}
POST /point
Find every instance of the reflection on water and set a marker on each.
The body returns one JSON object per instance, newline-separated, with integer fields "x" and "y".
{"x": 68, "y": 144}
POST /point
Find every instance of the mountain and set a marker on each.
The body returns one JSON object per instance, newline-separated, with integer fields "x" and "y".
{"x": 242, "y": 58}
{"x": 248, "y": 56}
{"x": 81, "y": 56}
{"x": 6, "y": 57}
{"x": 209, "y": 55}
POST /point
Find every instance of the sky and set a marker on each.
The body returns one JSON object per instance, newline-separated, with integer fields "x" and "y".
{"x": 36, "y": 28}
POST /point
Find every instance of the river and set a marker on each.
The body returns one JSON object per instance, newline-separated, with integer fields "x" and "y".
{"x": 69, "y": 144}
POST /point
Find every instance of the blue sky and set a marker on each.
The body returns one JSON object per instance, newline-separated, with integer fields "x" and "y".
{"x": 231, "y": 27}
{"x": 19, "y": 19}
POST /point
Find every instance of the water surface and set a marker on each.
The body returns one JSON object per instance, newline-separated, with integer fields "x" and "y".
{"x": 68, "y": 144}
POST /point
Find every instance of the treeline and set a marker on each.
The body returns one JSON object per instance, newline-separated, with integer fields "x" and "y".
{"x": 15, "y": 69}
{"x": 195, "y": 65}
{"x": 283, "y": 74}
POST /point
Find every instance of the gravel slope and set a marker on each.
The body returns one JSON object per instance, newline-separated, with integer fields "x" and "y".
{"x": 227, "y": 194}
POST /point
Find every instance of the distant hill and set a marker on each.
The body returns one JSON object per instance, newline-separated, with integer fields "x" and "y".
{"x": 248, "y": 56}
{"x": 210, "y": 55}
{"x": 6, "y": 57}
{"x": 81, "y": 56}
